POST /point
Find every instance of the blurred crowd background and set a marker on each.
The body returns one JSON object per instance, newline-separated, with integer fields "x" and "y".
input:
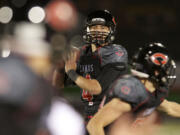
{"x": 138, "y": 22}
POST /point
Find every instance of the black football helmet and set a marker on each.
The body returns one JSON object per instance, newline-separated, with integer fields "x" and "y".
{"x": 154, "y": 60}
{"x": 99, "y": 17}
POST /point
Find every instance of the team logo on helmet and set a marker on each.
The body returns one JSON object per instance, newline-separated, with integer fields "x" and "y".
{"x": 159, "y": 58}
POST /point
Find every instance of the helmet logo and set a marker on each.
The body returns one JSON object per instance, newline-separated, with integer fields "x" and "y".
{"x": 98, "y": 20}
{"x": 159, "y": 58}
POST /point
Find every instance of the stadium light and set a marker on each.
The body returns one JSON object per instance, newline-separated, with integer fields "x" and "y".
{"x": 36, "y": 14}
{"x": 6, "y": 14}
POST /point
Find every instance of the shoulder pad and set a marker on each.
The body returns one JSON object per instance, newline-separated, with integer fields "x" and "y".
{"x": 130, "y": 90}
{"x": 113, "y": 54}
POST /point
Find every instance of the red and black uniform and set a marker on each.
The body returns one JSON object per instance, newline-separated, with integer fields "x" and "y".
{"x": 89, "y": 66}
{"x": 104, "y": 65}
{"x": 130, "y": 89}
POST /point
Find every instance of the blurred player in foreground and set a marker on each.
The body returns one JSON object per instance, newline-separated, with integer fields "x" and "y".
{"x": 22, "y": 73}
{"x": 25, "y": 97}
{"x": 99, "y": 58}
{"x": 154, "y": 71}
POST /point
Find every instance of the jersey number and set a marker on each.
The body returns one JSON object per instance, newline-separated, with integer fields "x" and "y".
{"x": 85, "y": 94}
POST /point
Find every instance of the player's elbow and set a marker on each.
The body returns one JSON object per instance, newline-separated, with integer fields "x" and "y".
{"x": 96, "y": 89}
{"x": 90, "y": 127}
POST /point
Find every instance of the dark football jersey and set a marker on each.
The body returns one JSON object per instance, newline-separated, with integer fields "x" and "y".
{"x": 105, "y": 64}
{"x": 114, "y": 63}
{"x": 129, "y": 89}
{"x": 88, "y": 62}
{"x": 89, "y": 66}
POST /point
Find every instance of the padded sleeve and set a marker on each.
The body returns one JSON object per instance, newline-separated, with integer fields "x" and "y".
{"x": 113, "y": 54}
{"x": 130, "y": 90}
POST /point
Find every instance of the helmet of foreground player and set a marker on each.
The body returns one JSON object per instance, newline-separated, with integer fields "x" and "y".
{"x": 154, "y": 60}
{"x": 103, "y": 18}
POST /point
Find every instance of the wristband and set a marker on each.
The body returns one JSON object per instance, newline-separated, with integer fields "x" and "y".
{"x": 72, "y": 75}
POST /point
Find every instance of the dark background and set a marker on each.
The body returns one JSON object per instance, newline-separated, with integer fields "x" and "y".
{"x": 138, "y": 21}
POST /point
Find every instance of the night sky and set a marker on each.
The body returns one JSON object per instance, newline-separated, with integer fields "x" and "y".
{"x": 138, "y": 21}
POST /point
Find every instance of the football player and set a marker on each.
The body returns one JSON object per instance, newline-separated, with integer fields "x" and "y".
{"x": 99, "y": 58}
{"x": 154, "y": 71}
{"x": 25, "y": 96}
{"x": 29, "y": 97}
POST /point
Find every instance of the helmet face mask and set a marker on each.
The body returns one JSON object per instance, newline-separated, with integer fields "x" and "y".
{"x": 99, "y": 18}
{"x": 155, "y": 61}
{"x": 98, "y": 33}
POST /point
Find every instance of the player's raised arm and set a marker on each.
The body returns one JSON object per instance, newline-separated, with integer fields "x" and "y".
{"x": 92, "y": 86}
{"x": 59, "y": 77}
{"x": 110, "y": 112}
{"x": 170, "y": 107}
{"x": 113, "y": 64}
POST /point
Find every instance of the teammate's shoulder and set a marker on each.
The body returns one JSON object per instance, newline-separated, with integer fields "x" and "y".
{"x": 128, "y": 86}
{"x": 131, "y": 90}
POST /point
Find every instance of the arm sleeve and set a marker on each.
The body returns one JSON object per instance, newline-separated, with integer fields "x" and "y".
{"x": 130, "y": 90}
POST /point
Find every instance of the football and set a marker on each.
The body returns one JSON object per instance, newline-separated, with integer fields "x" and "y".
{"x": 61, "y": 15}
